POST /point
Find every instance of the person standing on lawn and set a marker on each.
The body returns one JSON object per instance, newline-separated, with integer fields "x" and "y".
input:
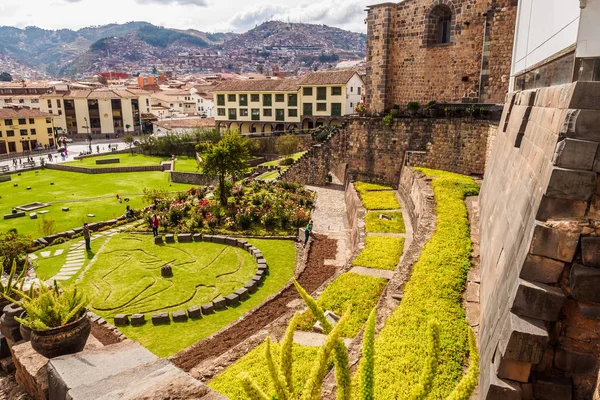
{"x": 86, "y": 236}
{"x": 308, "y": 231}
{"x": 154, "y": 220}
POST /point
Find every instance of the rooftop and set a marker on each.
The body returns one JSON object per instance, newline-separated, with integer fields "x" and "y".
{"x": 327, "y": 78}
{"x": 258, "y": 85}
{"x": 22, "y": 113}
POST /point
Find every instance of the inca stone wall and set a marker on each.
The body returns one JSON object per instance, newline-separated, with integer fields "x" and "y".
{"x": 540, "y": 247}
{"x": 106, "y": 170}
{"x": 404, "y": 62}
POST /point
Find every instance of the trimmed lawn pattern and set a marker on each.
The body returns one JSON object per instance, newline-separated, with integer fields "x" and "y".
{"x": 166, "y": 340}
{"x": 361, "y": 292}
{"x": 381, "y": 252}
{"x": 433, "y": 292}
{"x": 254, "y": 363}
{"x": 379, "y": 200}
{"x": 377, "y": 225}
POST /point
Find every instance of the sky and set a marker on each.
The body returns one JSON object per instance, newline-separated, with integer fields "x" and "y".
{"x": 204, "y": 15}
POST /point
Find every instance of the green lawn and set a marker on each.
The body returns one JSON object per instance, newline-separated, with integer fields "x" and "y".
{"x": 378, "y": 200}
{"x": 363, "y": 187}
{"x": 166, "y": 340}
{"x": 126, "y": 160}
{"x": 381, "y": 252}
{"x": 228, "y": 383}
{"x": 360, "y": 292}
{"x": 82, "y": 193}
{"x": 275, "y": 163}
{"x": 269, "y": 176}
{"x": 379, "y": 225}
{"x": 187, "y": 164}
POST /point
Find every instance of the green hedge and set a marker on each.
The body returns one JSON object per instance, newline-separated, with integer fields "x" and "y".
{"x": 376, "y": 225}
{"x": 358, "y": 291}
{"x": 433, "y": 292}
{"x": 381, "y": 252}
{"x": 228, "y": 383}
{"x": 379, "y": 201}
{"x": 363, "y": 187}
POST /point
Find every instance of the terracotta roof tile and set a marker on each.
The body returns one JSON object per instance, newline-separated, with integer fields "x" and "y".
{"x": 327, "y": 78}
{"x": 22, "y": 113}
{"x": 185, "y": 123}
{"x": 258, "y": 85}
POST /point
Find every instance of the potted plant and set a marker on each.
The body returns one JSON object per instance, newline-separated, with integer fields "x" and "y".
{"x": 360, "y": 108}
{"x": 395, "y": 111}
{"x": 387, "y": 120}
{"x": 412, "y": 108}
{"x": 57, "y": 318}
{"x": 13, "y": 281}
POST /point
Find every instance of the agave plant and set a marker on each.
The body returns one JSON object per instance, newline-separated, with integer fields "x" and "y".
{"x": 13, "y": 281}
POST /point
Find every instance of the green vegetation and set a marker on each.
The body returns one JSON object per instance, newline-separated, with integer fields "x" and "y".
{"x": 433, "y": 292}
{"x": 363, "y": 187}
{"x": 378, "y": 225}
{"x": 381, "y": 252}
{"x": 268, "y": 176}
{"x": 160, "y": 37}
{"x": 377, "y": 197}
{"x": 83, "y": 193}
{"x": 125, "y": 160}
{"x": 166, "y": 340}
{"x": 359, "y": 292}
{"x": 13, "y": 247}
{"x": 187, "y": 164}
{"x": 276, "y": 162}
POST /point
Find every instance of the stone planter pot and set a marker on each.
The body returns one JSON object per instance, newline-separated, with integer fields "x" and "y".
{"x": 25, "y": 330}
{"x": 412, "y": 113}
{"x": 9, "y": 327}
{"x": 67, "y": 339}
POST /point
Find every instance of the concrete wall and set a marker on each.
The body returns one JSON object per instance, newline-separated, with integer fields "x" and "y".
{"x": 540, "y": 247}
{"x": 588, "y": 41}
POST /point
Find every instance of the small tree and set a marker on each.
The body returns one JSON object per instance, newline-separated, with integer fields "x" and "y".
{"x": 287, "y": 145}
{"x": 12, "y": 248}
{"x": 128, "y": 139}
{"x": 226, "y": 158}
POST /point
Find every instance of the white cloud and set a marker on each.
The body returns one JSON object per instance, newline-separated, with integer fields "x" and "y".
{"x": 199, "y": 3}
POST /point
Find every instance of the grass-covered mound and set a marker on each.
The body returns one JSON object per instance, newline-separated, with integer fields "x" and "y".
{"x": 254, "y": 363}
{"x": 360, "y": 292}
{"x": 381, "y": 252}
{"x": 381, "y": 225}
{"x": 126, "y": 277}
{"x": 433, "y": 292}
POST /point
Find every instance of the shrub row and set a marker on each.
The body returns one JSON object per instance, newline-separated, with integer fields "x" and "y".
{"x": 381, "y": 252}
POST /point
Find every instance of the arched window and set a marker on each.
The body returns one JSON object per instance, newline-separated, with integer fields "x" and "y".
{"x": 439, "y": 25}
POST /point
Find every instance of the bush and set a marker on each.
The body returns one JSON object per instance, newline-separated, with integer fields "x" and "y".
{"x": 380, "y": 201}
{"x": 377, "y": 225}
{"x": 363, "y": 187}
{"x": 381, "y": 252}
{"x": 360, "y": 292}
{"x": 46, "y": 226}
{"x": 59, "y": 240}
{"x": 286, "y": 161}
{"x": 413, "y": 106}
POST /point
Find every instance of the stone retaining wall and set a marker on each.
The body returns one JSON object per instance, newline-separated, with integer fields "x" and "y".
{"x": 540, "y": 247}
{"x": 356, "y": 217}
{"x": 417, "y": 194}
{"x": 107, "y": 170}
{"x": 192, "y": 178}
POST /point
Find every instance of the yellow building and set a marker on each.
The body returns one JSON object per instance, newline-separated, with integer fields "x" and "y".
{"x": 24, "y": 129}
{"x": 271, "y": 105}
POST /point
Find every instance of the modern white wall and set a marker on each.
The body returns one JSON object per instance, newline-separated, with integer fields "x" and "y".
{"x": 544, "y": 28}
{"x": 588, "y": 42}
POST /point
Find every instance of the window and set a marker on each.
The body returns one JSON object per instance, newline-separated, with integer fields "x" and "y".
{"x": 59, "y": 112}
{"x": 35, "y": 101}
{"x": 10, "y": 133}
{"x": 256, "y": 114}
{"x": 292, "y": 100}
{"x": 49, "y": 103}
{"x": 231, "y": 98}
{"x": 351, "y": 105}
{"x": 23, "y": 132}
{"x": 233, "y": 113}
{"x": 244, "y": 101}
{"x": 292, "y": 112}
{"x": 279, "y": 98}
{"x": 221, "y": 111}
{"x": 322, "y": 93}
{"x": 307, "y": 109}
{"x": 307, "y": 91}
{"x": 22, "y": 121}
{"x": 32, "y": 131}
{"x": 0, "y": 133}
{"x": 267, "y": 100}
{"x": 57, "y": 103}
{"x": 336, "y": 109}
{"x": 321, "y": 106}
{"x": 147, "y": 102}
{"x": 8, "y": 122}
{"x": 31, "y": 121}
{"x": 358, "y": 90}
{"x": 21, "y": 101}
{"x": 337, "y": 91}
{"x": 279, "y": 115}
{"x": 267, "y": 112}
{"x": 255, "y": 97}
{"x": 49, "y": 130}
{"x": 48, "y": 120}
{"x": 351, "y": 89}
{"x": 220, "y": 99}
{"x": 243, "y": 112}
{"x": 438, "y": 28}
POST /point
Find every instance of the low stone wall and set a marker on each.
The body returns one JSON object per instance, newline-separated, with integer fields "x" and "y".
{"x": 5, "y": 178}
{"x": 108, "y": 170}
{"x": 108, "y": 161}
{"x": 356, "y": 216}
{"x": 417, "y": 194}
{"x": 192, "y": 178}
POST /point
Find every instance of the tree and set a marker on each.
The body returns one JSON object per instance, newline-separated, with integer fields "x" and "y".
{"x": 13, "y": 247}
{"x": 5, "y": 77}
{"x": 226, "y": 158}
{"x": 287, "y": 145}
{"x": 128, "y": 140}
{"x": 127, "y": 126}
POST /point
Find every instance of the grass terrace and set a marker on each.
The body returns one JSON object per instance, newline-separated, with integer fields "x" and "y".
{"x": 375, "y": 224}
{"x": 381, "y": 252}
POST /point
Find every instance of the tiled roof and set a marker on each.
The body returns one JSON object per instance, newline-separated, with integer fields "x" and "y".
{"x": 327, "y": 78}
{"x": 22, "y": 113}
{"x": 258, "y": 85}
{"x": 185, "y": 123}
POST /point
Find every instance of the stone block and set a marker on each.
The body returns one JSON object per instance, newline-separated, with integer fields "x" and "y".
{"x": 537, "y": 300}
{"x": 33, "y": 215}
{"x": 158, "y": 240}
{"x": 551, "y": 208}
{"x": 179, "y": 316}
{"x": 166, "y": 271}
{"x": 207, "y": 238}
{"x": 161, "y": 318}
{"x": 262, "y": 267}
{"x": 65, "y": 208}
{"x": 523, "y": 339}
{"x": 581, "y": 124}
{"x": 251, "y": 286}
{"x": 232, "y": 299}
{"x": 207, "y": 309}
{"x": 590, "y": 251}
{"x": 78, "y": 230}
{"x": 552, "y": 243}
{"x": 231, "y": 241}
{"x": 261, "y": 260}
{"x": 541, "y": 269}
{"x": 220, "y": 303}
{"x": 257, "y": 279}
{"x": 258, "y": 255}
{"x": 498, "y": 389}
{"x": 510, "y": 369}
{"x": 197, "y": 237}
{"x": 575, "y": 154}
{"x": 589, "y": 310}
{"x": 243, "y": 294}
{"x": 571, "y": 184}
{"x": 121, "y": 320}
{"x": 585, "y": 95}
{"x": 575, "y": 363}
{"x": 194, "y": 312}
{"x": 138, "y": 319}
{"x": 552, "y": 388}
{"x": 585, "y": 283}
{"x": 218, "y": 239}
{"x": 241, "y": 243}
{"x": 71, "y": 233}
{"x": 247, "y": 247}
{"x": 170, "y": 238}
{"x": 184, "y": 238}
